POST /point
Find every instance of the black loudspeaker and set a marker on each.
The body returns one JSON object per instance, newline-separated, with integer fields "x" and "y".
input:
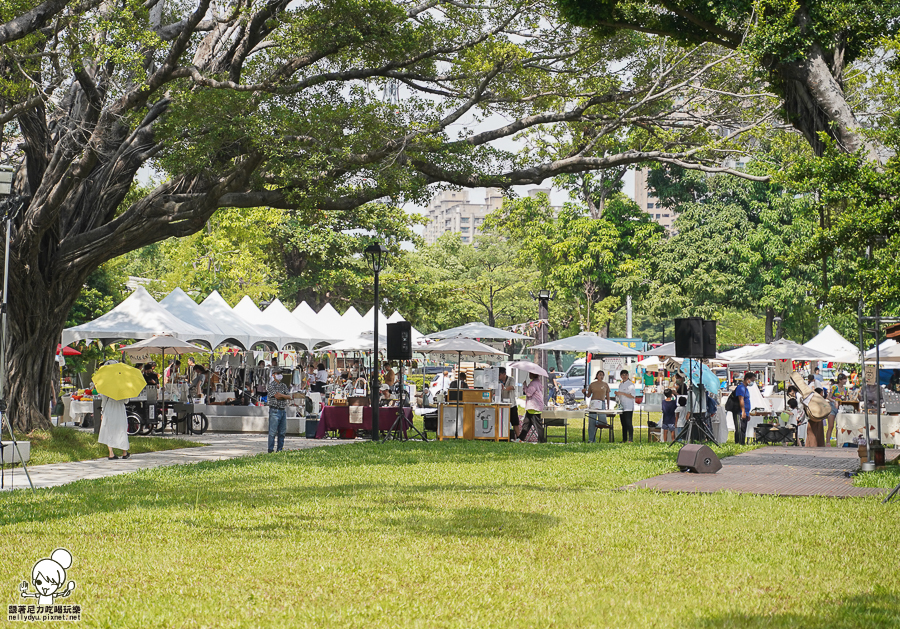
{"x": 399, "y": 341}
{"x": 709, "y": 339}
{"x": 689, "y": 337}
{"x": 698, "y": 459}
{"x": 695, "y": 338}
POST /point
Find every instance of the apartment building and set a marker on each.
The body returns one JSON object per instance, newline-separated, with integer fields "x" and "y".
{"x": 649, "y": 203}
{"x": 453, "y": 211}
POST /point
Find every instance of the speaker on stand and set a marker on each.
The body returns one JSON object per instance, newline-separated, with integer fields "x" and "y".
{"x": 399, "y": 348}
{"x": 695, "y": 339}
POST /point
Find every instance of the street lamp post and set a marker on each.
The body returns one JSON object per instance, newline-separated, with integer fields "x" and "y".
{"x": 375, "y": 256}
{"x": 543, "y": 298}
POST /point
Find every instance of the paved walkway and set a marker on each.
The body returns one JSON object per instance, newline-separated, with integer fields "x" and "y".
{"x": 220, "y": 447}
{"x": 772, "y": 470}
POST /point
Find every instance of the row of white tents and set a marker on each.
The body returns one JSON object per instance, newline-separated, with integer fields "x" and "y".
{"x": 214, "y": 322}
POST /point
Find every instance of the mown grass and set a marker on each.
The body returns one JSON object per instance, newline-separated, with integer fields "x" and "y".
{"x": 63, "y": 445}
{"x": 454, "y": 534}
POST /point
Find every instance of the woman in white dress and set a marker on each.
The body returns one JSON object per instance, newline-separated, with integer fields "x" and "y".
{"x": 114, "y": 428}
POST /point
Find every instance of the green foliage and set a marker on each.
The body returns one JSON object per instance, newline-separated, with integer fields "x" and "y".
{"x": 732, "y": 248}
{"x": 588, "y": 260}
{"x": 101, "y": 292}
{"x": 858, "y": 207}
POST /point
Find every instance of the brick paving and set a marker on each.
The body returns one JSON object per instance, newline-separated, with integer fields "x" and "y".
{"x": 775, "y": 471}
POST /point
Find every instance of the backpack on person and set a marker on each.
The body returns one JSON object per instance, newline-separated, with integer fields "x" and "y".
{"x": 733, "y": 403}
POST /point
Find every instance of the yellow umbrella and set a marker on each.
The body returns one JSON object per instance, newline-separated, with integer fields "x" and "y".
{"x": 119, "y": 381}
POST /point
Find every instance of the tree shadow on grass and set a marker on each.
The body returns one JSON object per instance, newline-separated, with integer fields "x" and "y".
{"x": 879, "y": 610}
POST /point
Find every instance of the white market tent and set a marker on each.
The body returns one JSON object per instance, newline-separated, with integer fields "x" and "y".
{"x": 352, "y": 322}
{"x": 248, "y": 311}
{"x": 306, "y": 314}
{"x": 280, "y": 318}
{"x": 888, "y": 352}
{"x": 217, "y": 309}
{"x": 138, "y": 317}
{"x": 839, "y": 349}
{"x": 368, "y": 321}
{"x": 328, "y": 316}
{"x": 395, "y": 318}
{"x": 182, "y": 306}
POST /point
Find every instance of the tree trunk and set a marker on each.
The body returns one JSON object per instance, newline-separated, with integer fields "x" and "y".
{"x": 770, "y": 320}
{"x": 37, "y": 316}
{"x": 779, "y": 329}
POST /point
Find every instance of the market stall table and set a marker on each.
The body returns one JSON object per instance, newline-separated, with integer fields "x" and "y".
{"x": 853, "y": 425}
{"x": 77, "y": 409}
{"x": 609, "y": 420}
{"x": 338, "y": 417}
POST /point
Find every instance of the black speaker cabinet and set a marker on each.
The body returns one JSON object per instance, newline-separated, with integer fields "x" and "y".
{"x": 698, "y": 459}
{"x": 709, "y": 339}
{"x": 695, "y": 338}
{"x": 399, "y": 341}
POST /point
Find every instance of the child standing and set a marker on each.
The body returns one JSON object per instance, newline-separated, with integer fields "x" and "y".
{"x": 668, "y": 416}
{"x": 681, "y": 413}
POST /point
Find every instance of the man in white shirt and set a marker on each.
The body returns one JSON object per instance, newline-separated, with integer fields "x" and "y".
{"x": 625, "y": 397}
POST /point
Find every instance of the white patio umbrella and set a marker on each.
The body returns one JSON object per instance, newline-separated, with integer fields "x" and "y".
{"x": 587, "y": 342}
{"x": 479, "y": 331}
{"x": 455, "y": 348}
{"x": 162, "y": 345}
{"x": 666, "y": 349}
{"x": 783, "y": 350}
{"x": 528, "y": 367}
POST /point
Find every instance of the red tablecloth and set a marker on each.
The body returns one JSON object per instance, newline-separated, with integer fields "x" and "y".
{"x": 337, "y": 417}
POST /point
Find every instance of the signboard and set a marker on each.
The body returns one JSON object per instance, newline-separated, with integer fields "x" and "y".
{"x": 783, "y": 370}
{"x": 636, "y": 344}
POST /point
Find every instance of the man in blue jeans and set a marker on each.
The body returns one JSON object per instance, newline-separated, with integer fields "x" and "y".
{"x": 278, "y": 396}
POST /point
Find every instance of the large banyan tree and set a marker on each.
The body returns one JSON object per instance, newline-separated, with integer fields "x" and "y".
{"x": 313, "y": 107}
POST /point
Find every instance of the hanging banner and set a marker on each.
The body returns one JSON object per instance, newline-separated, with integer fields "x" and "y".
{"x": 783, "y": 370}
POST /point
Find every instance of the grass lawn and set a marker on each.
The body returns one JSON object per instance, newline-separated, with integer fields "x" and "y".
{"x": 63, "y": 445}
{"x": 453, "y": 534}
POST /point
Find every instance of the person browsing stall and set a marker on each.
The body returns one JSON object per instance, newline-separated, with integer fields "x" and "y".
{"x": 534, "y": 406}
{"x": 625, "y": 396}
{"x": 508, "y": 396}
{"x": 598, "y": 391}
{"x": 278, "y": 394}
{"x": 150, "y": 376}
{"x": 669, "y": 422}
{"x": 389, "y": 377}
{"x": 743, "y": 394}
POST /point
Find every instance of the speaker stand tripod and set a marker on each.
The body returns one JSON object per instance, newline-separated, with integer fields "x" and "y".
{"x": 691, "y": 423}
{"x": 399, "y": 430}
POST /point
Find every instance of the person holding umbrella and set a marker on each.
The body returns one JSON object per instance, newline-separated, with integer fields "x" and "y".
{"x": 116, "y": 383}
{"x": 534, "y": 406}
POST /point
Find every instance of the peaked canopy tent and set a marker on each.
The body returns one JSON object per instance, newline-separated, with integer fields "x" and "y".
{"x": 839, "y": 349}
{"x": 352, "y": 321}
{"x": 182, "y": 306}
{"x": 395, "y": 318}
{"x": 368, "y": 321}
{"x": 280, "y": 318}
{"x": 138, "y": 317}
{"x": 328, "y": 316}
{"x": 217, "y": 309}
{"x": 247, "y": 310}
{"x": 305, "y": 313}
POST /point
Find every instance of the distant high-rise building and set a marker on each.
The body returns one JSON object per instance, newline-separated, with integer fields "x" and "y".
{"x": 649, "y": 203}
{"x": 451, "y": 211}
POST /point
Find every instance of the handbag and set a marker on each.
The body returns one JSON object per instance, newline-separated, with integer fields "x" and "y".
{"x": 532, "y": 436}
